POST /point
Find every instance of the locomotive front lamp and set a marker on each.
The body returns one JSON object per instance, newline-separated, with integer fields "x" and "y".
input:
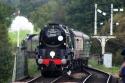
{"x": 40, "y": 61}
{"x": 64, "y": 61}
{"x": 60, "y": 38}
{"x": 52, "y": 54}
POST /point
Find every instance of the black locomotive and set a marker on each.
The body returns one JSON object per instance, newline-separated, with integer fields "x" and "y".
{"x": 61, "y": 48}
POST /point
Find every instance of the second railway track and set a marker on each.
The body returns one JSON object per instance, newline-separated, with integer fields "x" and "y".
{"x": 99, "y": 76}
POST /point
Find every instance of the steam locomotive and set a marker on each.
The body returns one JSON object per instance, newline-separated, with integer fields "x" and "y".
{"x": 61, "y": 48}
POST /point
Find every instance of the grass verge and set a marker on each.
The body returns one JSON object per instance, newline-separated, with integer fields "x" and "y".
{"x": 94, "y": 63}
{"x": 32, "y": 67}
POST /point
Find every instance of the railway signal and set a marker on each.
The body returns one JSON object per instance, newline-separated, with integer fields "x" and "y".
{"x": 117, "y": 24}
{"x": 114, "y": 10}
{"x": 95, "y": 23}
{"x": 101, "y": 12}
{"x": 104, "y": 39}
{"x": 101, "y": 23}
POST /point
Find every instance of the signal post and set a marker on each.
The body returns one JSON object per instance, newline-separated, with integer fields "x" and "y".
{"x": 103, "y": 39}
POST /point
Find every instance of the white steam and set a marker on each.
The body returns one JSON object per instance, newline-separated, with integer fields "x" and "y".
{"x": 21, "y": 23}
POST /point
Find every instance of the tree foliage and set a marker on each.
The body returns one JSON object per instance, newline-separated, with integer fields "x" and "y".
{"x": 80, "y": 13}
{"x": 28, "y": 6}
{"x": 116, "y": 45}
{"x": 45, "y": 14}
{"x": 5, "y": 47}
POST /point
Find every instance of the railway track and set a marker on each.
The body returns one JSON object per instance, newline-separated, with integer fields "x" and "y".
{"x": 82, "y": 77}
{"x": 86, "y": 75}
{"x": 60, "y": 79}
{"x": 41, "y": 79}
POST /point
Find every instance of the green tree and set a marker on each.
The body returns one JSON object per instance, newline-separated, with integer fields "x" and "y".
{"x": 44, "y": 14}
{"x": 5, "y": 46}
{"x": 116, "y": 45}
{"x": 80, "y": 13}
{"x": 28, "y": 6}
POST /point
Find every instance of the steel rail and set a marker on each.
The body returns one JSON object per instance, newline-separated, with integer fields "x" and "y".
{"x": 34, "y": 79}
{"x": 108, "y": 75}
{"x": 56, "y": 79}
{"x": 108, "y": 80}
{"x": 85, "y": 80}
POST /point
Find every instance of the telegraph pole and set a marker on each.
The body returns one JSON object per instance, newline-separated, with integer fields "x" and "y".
{"x": 18, "y": 32}
{"x": 15, "y": 60}
{"x": 95, "y": 22}
{"x": 18, "y": 38}
{"x": 111, "y": 24}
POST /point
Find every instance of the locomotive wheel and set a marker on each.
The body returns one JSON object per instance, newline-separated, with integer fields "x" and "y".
{"x": 74, "y": 64}
{"x": 81, "y": 64}
{"x": 44, "y": 73}
{"x": 87, "y": 62}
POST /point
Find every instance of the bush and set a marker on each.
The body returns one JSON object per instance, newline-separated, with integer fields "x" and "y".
{"x": 5, "y": 46}
{"x": 117, "y": 58}
{"x": 5, "y": 55}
